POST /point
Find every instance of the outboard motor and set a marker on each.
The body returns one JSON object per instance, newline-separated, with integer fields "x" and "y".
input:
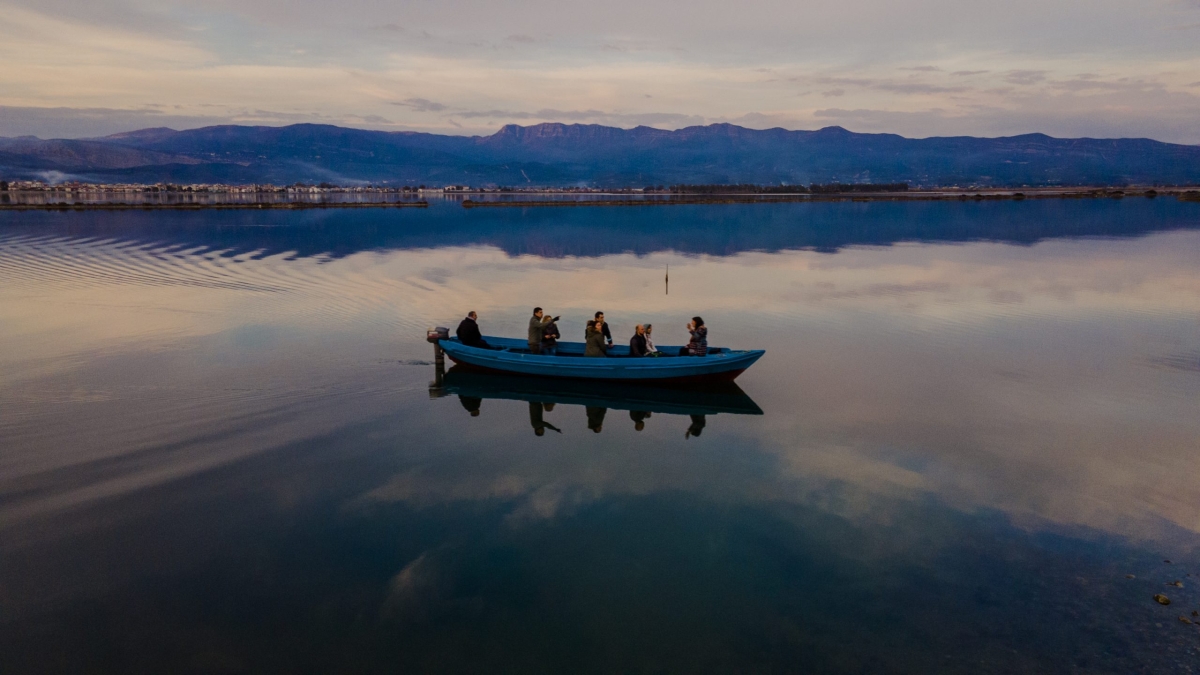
{"x": 439, "y": 358}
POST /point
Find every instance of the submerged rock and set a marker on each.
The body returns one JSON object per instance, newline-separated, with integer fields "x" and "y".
{"x": 1130, "y": 576}
{"x": 1184, "y": 619}
{"x": 1176, "y": 584}
{"x": 1161, "y": 599}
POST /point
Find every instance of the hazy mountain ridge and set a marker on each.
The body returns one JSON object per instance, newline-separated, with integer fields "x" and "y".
{"x": 86, "y": 153}
{"x": 588, "y": 154}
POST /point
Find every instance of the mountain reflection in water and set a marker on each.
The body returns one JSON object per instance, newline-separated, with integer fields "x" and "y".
{"x": 580, "y": 232}
{"x": 976, "y": 449}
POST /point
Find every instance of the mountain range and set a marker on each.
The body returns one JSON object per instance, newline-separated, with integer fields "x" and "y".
{"x": 592, "y": 155}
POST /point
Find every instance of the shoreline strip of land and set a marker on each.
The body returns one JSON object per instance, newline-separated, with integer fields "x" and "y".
{"x": 291, "y": 206}
{"x": 1190, "y": 195}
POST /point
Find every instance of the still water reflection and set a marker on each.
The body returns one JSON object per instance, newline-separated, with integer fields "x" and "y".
{"x": 221, "y": 449}
{"x": 695, "y": 401}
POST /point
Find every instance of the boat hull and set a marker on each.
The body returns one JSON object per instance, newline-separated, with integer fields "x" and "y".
{"x": 513, "y": 357}
{"x": 725, "y": 376}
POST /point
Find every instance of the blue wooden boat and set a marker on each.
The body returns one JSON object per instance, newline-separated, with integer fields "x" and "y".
{"x": 508, "y": 355}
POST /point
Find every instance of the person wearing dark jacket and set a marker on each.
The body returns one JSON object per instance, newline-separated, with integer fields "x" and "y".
{"x": 550, "y": 339}
{"x": 537, "y": 328}
{"x": 604, "y": 328}
{"x": 594, "y": 340}
{"x": 468, "y": 332}
{"x": 637, "y": 343}
{"x": 698, "y": 344}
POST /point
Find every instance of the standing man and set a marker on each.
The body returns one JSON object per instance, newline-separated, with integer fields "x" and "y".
{"x": 605, "y": 330}
{"x": 468, "y": 332}
{"x": 537, "y": 329}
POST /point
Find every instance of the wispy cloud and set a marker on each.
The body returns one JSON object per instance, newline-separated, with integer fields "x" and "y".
{"x": 1025, "y": 76}
{"x": 592, "y": 116}
{"x": 28, "y": 37}
{"x": 420, "y": 105}
{"x": 903, "y": 86}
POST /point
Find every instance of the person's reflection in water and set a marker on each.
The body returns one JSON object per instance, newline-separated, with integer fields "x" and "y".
{"x": 471, "y": 403}
{"x": 595, "y": 417}
{"x": 697, "y": 426}
{"x": 639, "y": 419}
{"x": 535, "y": 418}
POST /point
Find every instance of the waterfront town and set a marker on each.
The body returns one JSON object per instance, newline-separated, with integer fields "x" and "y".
{"x": 295, "y": 189}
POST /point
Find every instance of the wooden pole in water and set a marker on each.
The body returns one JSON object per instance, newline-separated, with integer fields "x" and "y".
{"x": 667, "y": 279}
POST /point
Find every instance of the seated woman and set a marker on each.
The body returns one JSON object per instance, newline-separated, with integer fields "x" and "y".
{"x": 595, "y": 344}
{"x": 698, "y": 344}
{"x": 651, "y": 350}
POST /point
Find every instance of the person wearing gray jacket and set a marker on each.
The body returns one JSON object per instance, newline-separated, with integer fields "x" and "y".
{"x": 537, "y": 328}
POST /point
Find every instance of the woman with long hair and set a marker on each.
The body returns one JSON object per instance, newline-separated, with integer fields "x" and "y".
{"x": 698, "y": 344}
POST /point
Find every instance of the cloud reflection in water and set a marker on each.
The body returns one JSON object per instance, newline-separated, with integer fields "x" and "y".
{"x": 944, "y": 423}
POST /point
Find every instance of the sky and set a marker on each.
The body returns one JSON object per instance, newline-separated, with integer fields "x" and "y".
{"x": 1070, "y": 68}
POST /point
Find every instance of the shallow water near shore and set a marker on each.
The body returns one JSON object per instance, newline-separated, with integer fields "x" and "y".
{"x": 224, "y": 446}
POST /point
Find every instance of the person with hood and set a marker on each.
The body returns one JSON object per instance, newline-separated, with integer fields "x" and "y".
{"x": 651, "y": 350}
{"x": 594, "y": 339}
{"x": 468, "y": 332}
{"x": 537, "y": 328}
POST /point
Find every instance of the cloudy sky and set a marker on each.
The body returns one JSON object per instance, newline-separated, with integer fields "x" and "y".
{"x": 1101, "y": 68}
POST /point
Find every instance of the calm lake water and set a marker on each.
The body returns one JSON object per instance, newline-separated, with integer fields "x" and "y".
{"x": 221, "y": 449}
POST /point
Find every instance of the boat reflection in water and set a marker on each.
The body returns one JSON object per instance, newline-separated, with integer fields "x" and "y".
{"x": 597, "y": 397}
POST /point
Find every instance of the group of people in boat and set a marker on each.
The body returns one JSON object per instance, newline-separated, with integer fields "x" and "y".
{"x": 544, "y": 335}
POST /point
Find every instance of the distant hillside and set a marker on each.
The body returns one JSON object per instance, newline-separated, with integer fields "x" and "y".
{"x": 578, "y": 154}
